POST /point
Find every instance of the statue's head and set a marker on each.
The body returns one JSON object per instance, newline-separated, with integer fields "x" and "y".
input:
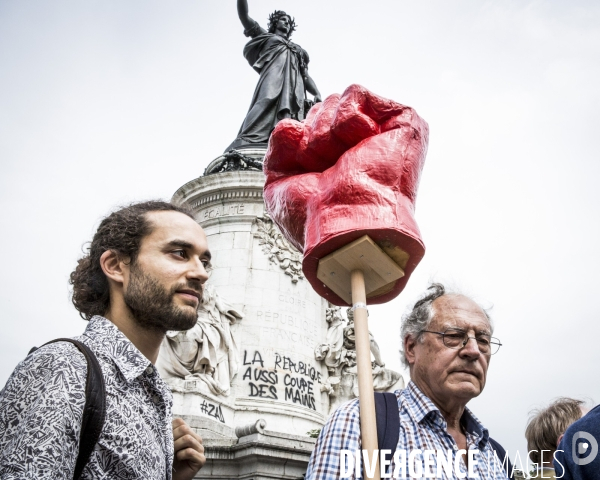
{"x": 333, "y": 314}
{"x": 280, "y": 23}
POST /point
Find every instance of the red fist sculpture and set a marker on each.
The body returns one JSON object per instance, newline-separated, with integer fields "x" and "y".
{"x": 350, "y": 169}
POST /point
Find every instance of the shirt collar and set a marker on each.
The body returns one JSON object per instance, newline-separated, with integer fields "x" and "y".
{"x": 112, "y": 342}
{"x": 475, "y": 428}
{"x": 420, "y": 407}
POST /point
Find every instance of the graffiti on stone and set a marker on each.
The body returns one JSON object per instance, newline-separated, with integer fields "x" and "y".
{"x": 212, "y": 410}
{"x": 288, "y": 380}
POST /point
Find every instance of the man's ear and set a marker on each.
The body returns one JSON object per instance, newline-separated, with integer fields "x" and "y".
{"x": 114, "y": 266}
{"x": 559, "y": 439}
{"x": 409, "y": 348}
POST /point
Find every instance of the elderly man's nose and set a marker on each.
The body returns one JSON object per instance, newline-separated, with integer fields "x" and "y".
{"x": 470, "y": 348}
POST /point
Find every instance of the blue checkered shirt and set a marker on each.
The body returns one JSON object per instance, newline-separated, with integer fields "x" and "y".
{"x": 422, "y": 427}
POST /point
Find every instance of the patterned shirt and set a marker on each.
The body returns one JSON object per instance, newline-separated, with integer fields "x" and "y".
{"x": 422, "y": 427}
{"x": 41, "y": 408}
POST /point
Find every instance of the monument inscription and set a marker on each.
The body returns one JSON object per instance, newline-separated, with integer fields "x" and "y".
{"x": 223, "y": 211}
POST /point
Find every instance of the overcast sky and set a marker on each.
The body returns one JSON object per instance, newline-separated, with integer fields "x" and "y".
{"x": 107, "y": 102}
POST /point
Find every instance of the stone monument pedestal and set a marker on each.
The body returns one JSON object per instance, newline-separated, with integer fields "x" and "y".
{"x": 265, "y": 372}
{"x": 258, "y": 456}
{"x": 268, "y": 359}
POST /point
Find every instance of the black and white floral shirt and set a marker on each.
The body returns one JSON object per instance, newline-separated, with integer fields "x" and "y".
{"x": 41, "y": 408}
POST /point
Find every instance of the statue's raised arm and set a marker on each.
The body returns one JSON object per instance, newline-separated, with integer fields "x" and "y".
{"x": 242, "y": 8}
{"x": 284, "y": 79}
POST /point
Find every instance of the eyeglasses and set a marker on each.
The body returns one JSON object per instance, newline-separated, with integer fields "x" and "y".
{"x": 456, "y": 338}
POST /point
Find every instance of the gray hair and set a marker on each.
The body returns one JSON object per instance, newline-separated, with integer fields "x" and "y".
{"x": 420, "y": 316}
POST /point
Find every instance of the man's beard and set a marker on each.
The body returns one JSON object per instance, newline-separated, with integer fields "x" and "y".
{"x": 153, "y": 307}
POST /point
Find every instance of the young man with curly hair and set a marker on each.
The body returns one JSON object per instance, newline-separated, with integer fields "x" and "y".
{"x": 143, "y": 275}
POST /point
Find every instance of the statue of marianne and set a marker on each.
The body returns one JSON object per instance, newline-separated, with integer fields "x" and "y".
{"x": 284, "y": 78}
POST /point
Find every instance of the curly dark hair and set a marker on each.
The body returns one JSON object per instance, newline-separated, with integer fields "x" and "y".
{"x": 122, "y": 232}
{"x": 274, "y": 18}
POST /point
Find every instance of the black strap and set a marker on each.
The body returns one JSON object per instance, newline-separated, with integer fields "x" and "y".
{"x": 388, "y": 428}
{"x": 94, "y": 411}
{"x": 388, "y": 422}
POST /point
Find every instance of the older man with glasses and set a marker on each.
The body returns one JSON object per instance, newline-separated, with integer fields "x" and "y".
{"x": 447, "y": 346}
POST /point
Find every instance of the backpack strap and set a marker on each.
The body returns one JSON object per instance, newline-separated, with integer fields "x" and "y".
{"x": 388, "y": 428}
{"x": 388, "y": 422}
{"x": 94, "y": 411}
{"x": 502, "y": 455}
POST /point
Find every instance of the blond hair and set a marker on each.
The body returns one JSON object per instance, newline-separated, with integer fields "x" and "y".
{"x": 546, "y": 425}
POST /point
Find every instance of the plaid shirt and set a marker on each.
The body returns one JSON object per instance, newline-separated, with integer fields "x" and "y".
{"x": 422, "y": 427}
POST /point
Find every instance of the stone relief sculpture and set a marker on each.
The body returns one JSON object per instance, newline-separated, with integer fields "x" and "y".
{"x": 208, "y": 351}
{"x": 332, "y": 352}
{"x": 339, "y": 355}
{"x": 278, "y": 249}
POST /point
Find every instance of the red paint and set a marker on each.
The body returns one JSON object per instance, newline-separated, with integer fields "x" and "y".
{"x": 350, "y": 169}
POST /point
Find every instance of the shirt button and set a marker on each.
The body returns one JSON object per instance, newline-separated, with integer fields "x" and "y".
{"x": 149, "y": 370}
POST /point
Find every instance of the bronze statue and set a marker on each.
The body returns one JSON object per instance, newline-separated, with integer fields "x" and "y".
{"x": 284, "y": 78}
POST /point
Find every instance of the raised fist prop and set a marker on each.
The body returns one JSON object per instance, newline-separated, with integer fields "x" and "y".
{"x": 350, "y": 169}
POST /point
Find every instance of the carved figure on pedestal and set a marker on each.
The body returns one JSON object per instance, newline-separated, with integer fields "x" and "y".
{"x": 207, "y": 351}
{"x": 349, "y": 340}
{"x": 332, "y": 352}
{"x": 284, "y": 79}
{"x": 339, "y": 355}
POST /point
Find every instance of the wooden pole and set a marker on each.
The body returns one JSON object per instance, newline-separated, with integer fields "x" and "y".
{"x": 368, "y": 422}
{"x": 351, "y": 272}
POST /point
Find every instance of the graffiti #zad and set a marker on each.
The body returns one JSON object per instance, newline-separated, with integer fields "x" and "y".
{"x": 212, "y": 410}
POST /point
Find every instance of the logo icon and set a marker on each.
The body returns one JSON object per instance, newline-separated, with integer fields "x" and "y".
{"x": 583, "y": 447}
